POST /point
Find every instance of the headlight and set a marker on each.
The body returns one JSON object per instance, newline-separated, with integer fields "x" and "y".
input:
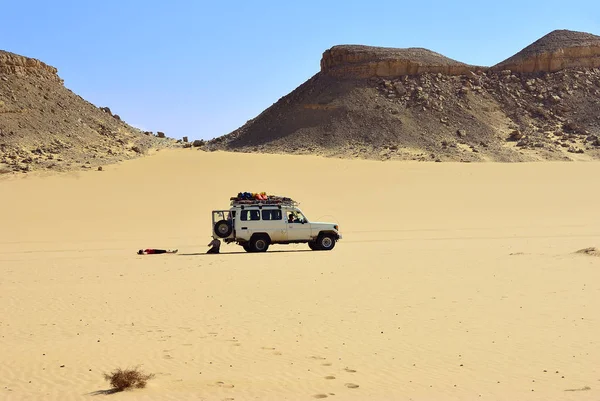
{"x": 336, "y": 227}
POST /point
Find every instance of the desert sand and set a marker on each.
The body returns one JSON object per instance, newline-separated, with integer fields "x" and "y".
{"x": 452, "y": 282}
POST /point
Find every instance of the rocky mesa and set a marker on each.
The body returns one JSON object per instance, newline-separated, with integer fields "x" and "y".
{"x": 353, "y": 61}
{"x": 415, "y": 104}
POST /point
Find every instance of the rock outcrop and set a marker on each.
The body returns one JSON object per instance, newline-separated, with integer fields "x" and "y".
{"x": 414, "y": 104}
{"x": 44, "y": 125}
{"x": 353, "y": 61}
{"x": 13, "y": 64}
{"x": 556, "y": 51}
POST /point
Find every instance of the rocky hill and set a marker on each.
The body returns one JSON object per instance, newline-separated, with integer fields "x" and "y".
{"x": 414, "y": 104}
{"x": 43, "y": 125}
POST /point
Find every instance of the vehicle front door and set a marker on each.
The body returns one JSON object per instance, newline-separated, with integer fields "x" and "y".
{"x": 298, "y": 228}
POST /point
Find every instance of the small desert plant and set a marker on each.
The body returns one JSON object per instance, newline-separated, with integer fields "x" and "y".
{"x": 126, "y": 379}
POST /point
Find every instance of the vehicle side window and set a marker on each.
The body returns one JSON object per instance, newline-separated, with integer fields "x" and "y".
{"x": 271, "y": 215}
{"x": 250, "y": 215}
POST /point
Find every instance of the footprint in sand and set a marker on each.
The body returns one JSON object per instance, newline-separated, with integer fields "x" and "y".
{"x": 326, "y": 364}
{"x": 350, "y": 370}
{"x": 268, "y": 348}
{"x": 351, "y": 385}
{"x": 320, "y": 396}
{"x": 224, "y": 385}
{"x": 188, "y": 329}
{"x": 586, "y": 388}
{"x": 329, "y": 377}
{"x": 320, "y": 358}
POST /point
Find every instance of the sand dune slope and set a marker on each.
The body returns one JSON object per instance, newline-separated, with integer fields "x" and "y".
{"x": 452, "y": 282}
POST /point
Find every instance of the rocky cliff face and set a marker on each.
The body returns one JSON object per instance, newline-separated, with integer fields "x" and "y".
{"x": 351, "y": 61}
{"x": 13, "y": 64}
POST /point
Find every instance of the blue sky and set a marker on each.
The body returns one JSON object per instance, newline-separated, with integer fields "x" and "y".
{"x": 202, "y": 69}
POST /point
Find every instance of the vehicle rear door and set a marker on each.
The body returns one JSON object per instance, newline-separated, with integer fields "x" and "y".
{"x": 273, "y": 223}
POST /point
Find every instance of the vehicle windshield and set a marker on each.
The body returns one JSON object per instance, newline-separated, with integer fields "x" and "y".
{"x": 296, "y": 216}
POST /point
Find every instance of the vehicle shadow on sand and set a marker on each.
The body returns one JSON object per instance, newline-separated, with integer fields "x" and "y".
{"x": 241, "y": 252}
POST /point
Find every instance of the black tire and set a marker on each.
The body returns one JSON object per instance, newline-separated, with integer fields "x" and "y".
{"x": 246, "y": 246}
{"x": 313, "y": 245}
{"x": 326, "y": 242}
{"x": 223, "y": 228}
{"x": 260, "y": 243}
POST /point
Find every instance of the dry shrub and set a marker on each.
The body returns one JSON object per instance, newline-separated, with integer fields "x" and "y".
{"x": 127, "y": 379}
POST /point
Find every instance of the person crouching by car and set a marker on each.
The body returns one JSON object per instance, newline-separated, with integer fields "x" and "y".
{"x": 215, "y": 245}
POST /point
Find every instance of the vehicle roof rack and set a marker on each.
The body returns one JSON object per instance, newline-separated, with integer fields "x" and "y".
{"x": 271, "y": 200}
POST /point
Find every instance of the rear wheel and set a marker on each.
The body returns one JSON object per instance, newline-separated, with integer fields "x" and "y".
{"x": 223, "y": 228}
{"x": 246, "y": 247}
{"x": 259, "y": 244}
{"x": 326, "y": 242}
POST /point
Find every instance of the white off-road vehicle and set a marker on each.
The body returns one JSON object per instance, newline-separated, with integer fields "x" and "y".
{"x": 257, "y": 223}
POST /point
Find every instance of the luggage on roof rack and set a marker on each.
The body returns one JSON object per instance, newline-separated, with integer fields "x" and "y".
{"x": 246, "y": 198}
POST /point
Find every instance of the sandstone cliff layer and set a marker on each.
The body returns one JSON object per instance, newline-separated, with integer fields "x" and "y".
{"x": 559, "y": 50}
{"x": 352, "y": 61}
{"x": 13, "y": 64}
{"x": 556, "y": 51}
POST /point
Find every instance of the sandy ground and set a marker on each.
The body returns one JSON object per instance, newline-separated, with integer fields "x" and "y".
{"x": 452, "y": 282}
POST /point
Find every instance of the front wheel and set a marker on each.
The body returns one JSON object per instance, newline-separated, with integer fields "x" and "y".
{"x": 313, "y": 245}
{"x": 326, "y": 242}
{"x": 246, "y": 247}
